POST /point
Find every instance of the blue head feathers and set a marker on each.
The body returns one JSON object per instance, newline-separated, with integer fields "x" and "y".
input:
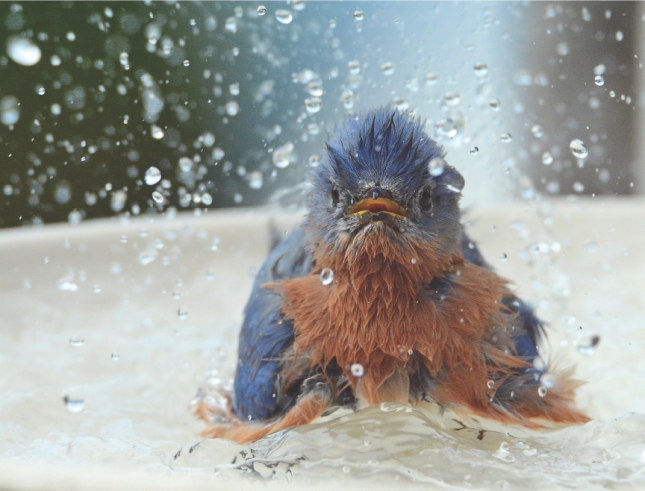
{"x": 384, "y": 153}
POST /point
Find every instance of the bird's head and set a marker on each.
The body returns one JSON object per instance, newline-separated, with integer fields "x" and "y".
{"x": 380, "y": 173}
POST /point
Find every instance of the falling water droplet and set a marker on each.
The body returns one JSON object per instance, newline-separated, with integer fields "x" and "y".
{"x": 152, "y": 176}
{"x": 538, "y": 131}
{"x": 481, "y": 69}
{"x": 587, "y": 345}
{"x": 262, "y": 10}
{"x": 158, "y": 197}
{"x": 495, "y": 104}
{"x": 326, "y": 276}
{"x": 490, "y": 384}
{"x": 474, "y": 151}
{"x": 436, "y": 166}
{"x": 74, "y": 405}
{"x": 23, "y": 51}
{"x": 548, "y": 380}
{"x": 313, "y": 105}
{"x": 387, "y": 68}
{"x": 506, "y": 137}
{"x": 578, "y": 187}
{"x": 413, "y": 260}
{"x": 547, "y": 158}
{"x": 578, "y": 149}
{"x": 599, "y": 80}
{"x": 182, "y": 313}
{"x": 357, "y": 370}
{"x": 542, "y": 391}
{"x": 77, "y": 342}
{"x": 283, "y": 16}
{"x": 358, "y": 15}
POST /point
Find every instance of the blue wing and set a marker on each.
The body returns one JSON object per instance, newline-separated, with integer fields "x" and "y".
{"x": 265, "y": 334}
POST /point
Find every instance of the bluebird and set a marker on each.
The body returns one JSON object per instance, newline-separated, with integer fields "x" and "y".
{"x": 381, "y": 296}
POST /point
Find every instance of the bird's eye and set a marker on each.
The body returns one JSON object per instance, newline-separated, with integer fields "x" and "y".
{"x": 335, "y": 197}
{"x": 426, "y": 199}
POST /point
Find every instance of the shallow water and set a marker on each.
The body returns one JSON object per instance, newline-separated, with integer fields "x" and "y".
{"x": 128, "y": 319}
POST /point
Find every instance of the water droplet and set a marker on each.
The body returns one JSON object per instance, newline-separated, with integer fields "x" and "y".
{"x": 115, "y": 357}
{"x": 315, "y": 88}
{"x": 232, "y": 108}
{"x": 542, "y": 391}
{"x": 452, "y": 98}
{"x": 182, "y": 313}
{"x": 176, "y": 295}
{"x": 506, "y": 137}
{"x": 474, "y": 151}
{"x": 562, "y": 49}
{"x": 599, "y": 69}
{"x": 599, "y": 80}
{"x": 262, "y": 10}
{"x": 481, "y": 69}
{"x": 156, "y": 132}
{"x": 9, "y": 110}
{"x": 548, "y": 380}
{"x": 495, "y": 104}
{"x": 255, "y": 179}
{"x": 431, "y": 78}
{"x": 503, "y": 257}
{"x": 619, "y": 36}
{"x": 578, "y": 149}
{"x": 23, "y": 51}
{"x": 357, "y": 370}
{"x": 578, "y": 187}
{"x": 587, "y": 345}
{"x": 152, "y": 176}
{"x": 436, "y": 166}
{"x": 186, "y": 164}
{"x": 77, "y": 342}
{"x": 158, "y": 197}
{"x": 413, "y": 260}
{"x": 354, "y": 67}
{"x": 313, "y": 105}
{"x": 74, "y": 405}
{"x": 410, "y": 352}
{"x": 538, "y": 131}
{"x": 283, "y": 156}
{"x": 358, "y": 15}
{"x": 388, "y": 68}
{"x": 346, "y": 468}
{"x": 283, "y": 16}
{"x": 147, "y": 256}
{"x": 547, "y": 158}
{"x": 490, "y": 384}
{"x": 231, "y": 25}
{"x": 326, "y": 276}
{"x": 67, "y": 284}
{"x": 96, "y": 289}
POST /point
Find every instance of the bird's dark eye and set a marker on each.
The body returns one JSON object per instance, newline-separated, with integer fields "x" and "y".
{"x": 426, "y": 199}
{"x": 335, "y": 197}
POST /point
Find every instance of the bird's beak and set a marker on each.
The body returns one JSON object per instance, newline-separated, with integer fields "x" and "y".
{"x": 378, "y": 205}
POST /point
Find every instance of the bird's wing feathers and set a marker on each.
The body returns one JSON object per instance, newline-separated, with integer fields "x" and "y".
{"x": 265, "y": 335}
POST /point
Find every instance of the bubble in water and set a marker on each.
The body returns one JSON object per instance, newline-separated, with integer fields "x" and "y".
{"x": 452, "y": 98}
{"x": 232, "y": 108}
{"x": 182, "y": 313}
{"x": 578, "y": 149}
{"x": 152, "y": 176}
{"x": 578, "y": 187}
{"x": 388, "y": 68}
{"x": 542, "y": 391}
{"x": 547, "y": 158}
{"x": 283, "y": 156}
{"x": 495, "y": 104}
{"x": 77, "y": 342}
{"x": 158, "y": 197}
{"x": 548, "y": 380}
{"x": 506, "y": 137}
{"x": 262, "y": 10}
{"x": 283, "y": 16}
{"x": 599, "y": 80}
{"x": 326, "y": 276}
{"x": 23, "y": 51}
{"x": 74, "y": 405}
{"x": 436, "y": 166}
{"x": 538, "y": 131}
{"x": 481, "y": 69}
{"x": 357, "y": 370}
{"x": 359, "y": 15}
{"x": 587, "y": 345}
{"x": 313, "y": 105}
{"x": 9, "y": 110}
{"x": 255, "y": 179}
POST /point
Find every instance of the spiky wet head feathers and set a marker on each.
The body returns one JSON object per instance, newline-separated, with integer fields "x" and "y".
{"x": 386, "y": 150}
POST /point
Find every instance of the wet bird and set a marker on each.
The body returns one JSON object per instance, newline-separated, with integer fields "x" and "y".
{"x": 381, "y": 296}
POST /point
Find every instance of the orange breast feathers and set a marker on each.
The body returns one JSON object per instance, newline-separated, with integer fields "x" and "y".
{"x": 379, "y": 312}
